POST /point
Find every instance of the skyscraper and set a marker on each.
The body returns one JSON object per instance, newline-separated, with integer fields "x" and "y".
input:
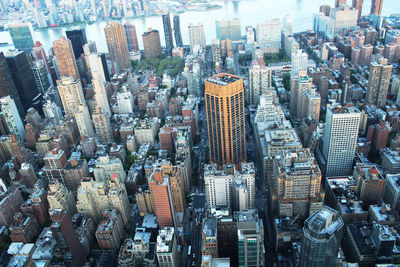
{"x": 21, "y": 36}
{"x": 168, "y": 33}
{"x": 224, "y": 97}
{"x": 177, "y": 31}
{"x": 41, "y": 76}
{"x": 300, "y": 84}
{"x": 117, "y": 44}
{"x": 100, "y": 94}
{"x": 7, "y": 85}
{"x": 376, "y": 7}
{"x": 378, "y": 82}
{"x": 357, "y": 4}
{"x": 196, "y": 36}
{"x": 102, "y": 126}
{"x": 39, "y": 53}
{"x": 78, "y": 39}
{"x": 24, "y": 80}
{"x": 297, "y": 184}
{"x": 322, "y": 233}
{"x": 299, "y": 62}
{"x": 13, "y": 120}
{"x": 98, "y": 63}
{"x": 66, "y": 238}
{"x": 151, "y": 43}
{"x": 65, "y": 58}
{"x": 131, "y": 37}
{"x": 269, "y": 35}
{"x": 340, "y": 139}
{"x": 338, "y": 3}
{"x": 260, "y": 78}
{"x": 83, "y": 121}
{"x": 71, "y": 94}
{"x": 228, "y": 29}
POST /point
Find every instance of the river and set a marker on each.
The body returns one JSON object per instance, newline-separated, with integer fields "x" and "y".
{"x": 250, "y": 12}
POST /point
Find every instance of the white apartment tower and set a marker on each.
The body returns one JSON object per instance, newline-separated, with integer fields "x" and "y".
{"x": 259, "y": 81}
{"x": 340, "y": 139}
{"x": 13, "y": 120}
{"x": 71, "y": 94}
{"x": 83, "y": 121}
{"x": 196, "y": 36}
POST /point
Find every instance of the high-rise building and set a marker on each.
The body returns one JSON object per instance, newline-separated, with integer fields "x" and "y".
{"x": 299, "y": 62}
{"x": 102, "y": 126}
{"x": 357, "y": 4}
{"x": 12, "y": 118}
{"x": 338, "y": 3}
{"x": 167, "y": 247}
{"x": 110, "y": 231}
{"x": 97, "y": 63}
{"x": 21, "y": 36}
{"x": 161, "y": 192}
{"x": 105, "y": 167}
{"x": 94, "y": 197}
{"x": 340, "y": 139}
{"x": 230, "y": 188}
{"x": 131, "y": 37}
{"x": 322, "y": 234}
{"x": 41, "y": 76}
{"x": 376, "y": 7}
{"x": 117, "y": 44}
{"x": 7, "y": 85}
{"x": 168, "y": 33}
{"x": 59, "y": 197}
{"x": 151, "y": 43}
{"x": 311, "y": 104}
{"x": 269, "y": 35}
{"x": 378, "y": 82}
{"x": 228, "y": 29}
{"x": 297, "y": 182}
{"x": 52, "y": 112}
{"x": 224, "y": 97}
{"x": 177, "y": 31}
{"x": 100, "y": 94}
{"x": 71, "y": 94}
{"x": 260, "y": 79}
{"x": 299, "y": 86}
{"x": 65, "y": 58}
{"x": 24, "y": 80}
{"x": 67, "y": 239}
{"x": 83, "y": 121}
{"x": 196, "y": 36}
{"x": 39, "y": 53}
{"x": 78, "y": 39}
{"x": 250, "y": 234}
{"x": 250, "y": 35}
{"x": 344, "y": 17}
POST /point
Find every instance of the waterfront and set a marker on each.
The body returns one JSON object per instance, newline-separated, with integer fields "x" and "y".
{"x": 250, "y": 12}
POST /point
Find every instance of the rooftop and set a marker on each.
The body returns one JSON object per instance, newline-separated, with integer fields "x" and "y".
{"x": 165, "y": 240}
{"x": 223, "y": 79}
{"x": 324, "y": 221}
{"x": 210, "y": 227}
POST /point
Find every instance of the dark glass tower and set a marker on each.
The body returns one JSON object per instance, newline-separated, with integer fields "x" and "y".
{"x": 105, "y": 67}
{"x": 168, "y": 34}
{"x": 24, "y": 80}
{"x": 78, "y": 39}
{"x": 21, "y": 36}
{"x": 7, "y": 85}
{"x": 177, "y": 31}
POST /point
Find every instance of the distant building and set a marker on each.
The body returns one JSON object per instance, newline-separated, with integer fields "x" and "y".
{"x": 228, "y": 29}
{"x": 131, "y": 37}
{"x": 21, "y": 36}
{"x": 269, "y": 35}
{"x": 78, "y": 39}
{"x": 260, "y": 79}
{"x": 117, "y": 44}
{"x": 196, "y": 36}
{"x": 151, "y": 43}
{"x": 378, "y": 82}
{"x": 168, "y": 33}
{"x": 71, "y": 94}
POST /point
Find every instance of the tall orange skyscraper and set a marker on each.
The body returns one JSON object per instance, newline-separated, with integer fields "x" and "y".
{"x": 224, "y": 97}
{"x": 117, "y": 44}
{"x": 65, "y": 58}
